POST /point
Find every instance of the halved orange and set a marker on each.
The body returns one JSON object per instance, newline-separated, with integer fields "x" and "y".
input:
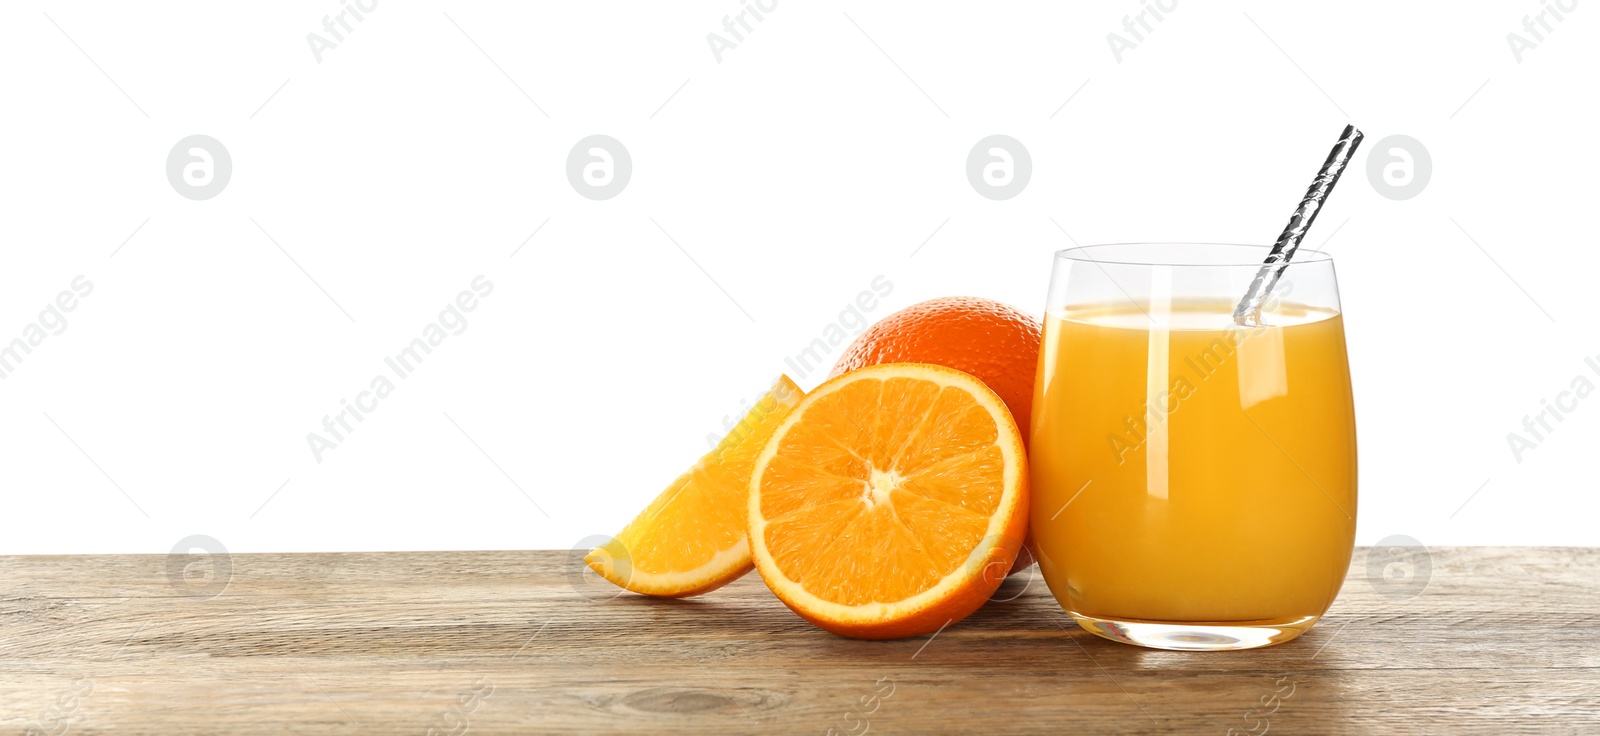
{"x": 691, "y": 539}
{"x": 891, "y": 501}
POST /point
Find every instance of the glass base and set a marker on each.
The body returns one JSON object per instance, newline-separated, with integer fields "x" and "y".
{"x": 1197, "y": 637}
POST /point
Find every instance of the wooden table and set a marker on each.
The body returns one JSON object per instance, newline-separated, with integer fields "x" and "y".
{"x": 1501, "y": 641}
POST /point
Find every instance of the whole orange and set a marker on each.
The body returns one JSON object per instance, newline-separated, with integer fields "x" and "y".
{"x": 995, "y": 342}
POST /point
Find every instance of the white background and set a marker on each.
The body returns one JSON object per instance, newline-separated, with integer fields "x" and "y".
{"x": 415, "y": 156}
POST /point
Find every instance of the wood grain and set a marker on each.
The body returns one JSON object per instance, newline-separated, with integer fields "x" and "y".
{"x": 1502, "y": 640}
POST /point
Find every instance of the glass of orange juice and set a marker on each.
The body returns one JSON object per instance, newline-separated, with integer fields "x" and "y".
{"x": 1194, "y": 481}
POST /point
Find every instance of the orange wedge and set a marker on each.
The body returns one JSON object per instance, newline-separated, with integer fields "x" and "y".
{"x": 891, "y": 501}
{"x": 691, "y": 539}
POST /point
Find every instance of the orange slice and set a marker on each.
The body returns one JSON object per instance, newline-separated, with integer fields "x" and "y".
{"x": 691, "y": 539}
{"x": 891, "y": 501}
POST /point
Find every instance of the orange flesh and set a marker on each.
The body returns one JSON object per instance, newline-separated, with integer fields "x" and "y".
{"x": 885, "y": 487}
{"x": 691, "y": 538}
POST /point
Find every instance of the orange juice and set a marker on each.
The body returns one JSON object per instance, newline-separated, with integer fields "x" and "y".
{"x": 1189, "y": 471}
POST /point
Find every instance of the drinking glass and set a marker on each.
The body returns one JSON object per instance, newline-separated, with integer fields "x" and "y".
{"x": 1194, "y": 481}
